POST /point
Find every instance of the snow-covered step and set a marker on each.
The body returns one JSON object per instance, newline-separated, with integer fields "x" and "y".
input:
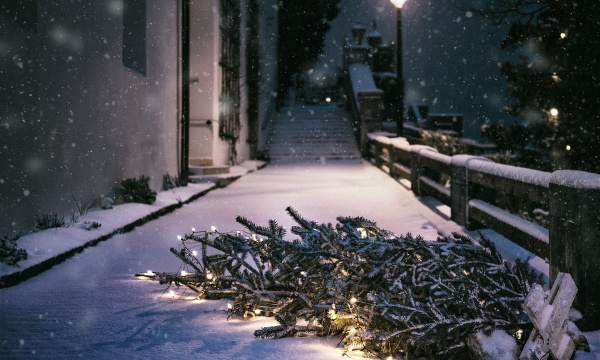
{"x": 312, "y": 132}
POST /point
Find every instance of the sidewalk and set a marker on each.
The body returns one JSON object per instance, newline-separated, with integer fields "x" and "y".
{"x": 92, "y": 306}
{"x": 50, "y": 247}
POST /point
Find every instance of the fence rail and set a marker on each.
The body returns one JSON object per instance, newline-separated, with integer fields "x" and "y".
{"x": 481, "y": 192}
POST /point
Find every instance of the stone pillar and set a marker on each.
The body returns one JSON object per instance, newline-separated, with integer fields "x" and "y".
{"x": 371, "y": 116}
{"x": 575, "y": 238}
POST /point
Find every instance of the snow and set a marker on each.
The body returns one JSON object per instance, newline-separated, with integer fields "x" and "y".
{"x": 576, "y": 179}
{"x": 521, "y": 224}
{"x": 92, "y": 306}
{"x": 525, "y": 175}
{"x": 498, "y": 345}
{"x": 362, "y": 80}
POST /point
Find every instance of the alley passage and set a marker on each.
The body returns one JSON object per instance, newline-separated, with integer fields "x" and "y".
{"x": 93, "y": 307}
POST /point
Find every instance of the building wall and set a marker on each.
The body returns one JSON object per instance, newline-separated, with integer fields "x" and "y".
{"x": 74, "y": 121}
{"x": 268, "y": 68}
{"x": 204, "y": 67}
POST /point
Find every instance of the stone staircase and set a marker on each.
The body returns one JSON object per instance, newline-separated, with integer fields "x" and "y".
{"x": 313, "y": 132}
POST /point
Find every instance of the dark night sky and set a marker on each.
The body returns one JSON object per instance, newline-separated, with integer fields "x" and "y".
{"x": 450, "y": 60}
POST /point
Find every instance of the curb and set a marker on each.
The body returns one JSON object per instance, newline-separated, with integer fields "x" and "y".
{"x": 18, "y": 277}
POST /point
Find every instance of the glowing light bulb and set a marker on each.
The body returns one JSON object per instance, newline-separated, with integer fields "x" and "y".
{"x": 568, "y": 147}
{"x": 563, "y": 35}
{"x": 184, "y": 273}
{"x": 194, "y": 253}
{"x": 229, "y": 306}
{"x": 389, "y": 358}
{"x": 554, "y": 112}
{"x": 209, "y": 276}
{"x": 213, "y": 228}
{"x": 179, "y": 237}
{"x": 193, "y": 229}
{"x": 328, "y": 99}
{"x": 257, "y": 311}
{"x": 353, "y": 300}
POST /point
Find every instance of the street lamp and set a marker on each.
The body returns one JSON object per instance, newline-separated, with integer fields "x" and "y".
{"x": 399, "y": 113}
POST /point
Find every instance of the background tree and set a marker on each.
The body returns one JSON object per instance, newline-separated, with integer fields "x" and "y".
{"x": 554, "y": 76}
{"x": 302, "y": 29}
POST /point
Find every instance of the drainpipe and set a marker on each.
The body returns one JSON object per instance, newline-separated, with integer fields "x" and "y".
{"x": 185, "y": 91}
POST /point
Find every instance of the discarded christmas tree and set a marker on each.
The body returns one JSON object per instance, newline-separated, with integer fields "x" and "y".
{"x": 383, "y": 294}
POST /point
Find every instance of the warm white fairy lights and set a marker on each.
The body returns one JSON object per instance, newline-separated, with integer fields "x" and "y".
{"x": 184, "y": 273}
{"x": 353, "y": 300}
{"x": 179, "y": 237}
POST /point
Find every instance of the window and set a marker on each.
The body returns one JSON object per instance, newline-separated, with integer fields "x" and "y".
{"x": 134, "y": 35}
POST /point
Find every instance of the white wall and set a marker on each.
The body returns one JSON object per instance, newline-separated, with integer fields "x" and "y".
{"x": 204, "y": 66}
{"x": 74, "y": 121}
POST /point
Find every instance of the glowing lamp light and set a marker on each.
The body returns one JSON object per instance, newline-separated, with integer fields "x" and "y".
{"x": 149, "y": 273}
{"x": 568, "y": 147}
{"x": 328, "y": 99}
{"x": 213, "y": 228}
{"x": 179, "y": 237}
{"x": 563, "y": 35}
{"x": 194, "y": 253}
{"x": 229, "y": 306}
{"x": 209, "y": 276}
{"x": 184, "y": 273}
{"x": 193, "y": 229}
{"x": 389, "y": 358}
{"x": 257, "y": 311}
{"x": 398, "y": 3}
{"x": 554, "y": 112}
{"x": 353, "y": 300}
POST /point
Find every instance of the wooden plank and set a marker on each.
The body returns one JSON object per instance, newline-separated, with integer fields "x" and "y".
{"x": 522, "y": 232}
{"x": 437, "y": 190}
{"x": 535, "y": 193}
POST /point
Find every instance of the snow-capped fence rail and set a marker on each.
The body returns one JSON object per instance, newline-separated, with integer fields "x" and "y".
{"x": 481, "y": 192}
{"x": 366, "y": 101}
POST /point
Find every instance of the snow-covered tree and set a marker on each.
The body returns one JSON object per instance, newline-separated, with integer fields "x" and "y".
{"x": 554, "y": 76}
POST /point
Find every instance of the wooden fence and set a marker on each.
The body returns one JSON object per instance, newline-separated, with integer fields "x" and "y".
{"x": 480, "y": 192}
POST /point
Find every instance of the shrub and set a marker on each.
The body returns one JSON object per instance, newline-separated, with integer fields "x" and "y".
{"x": 48, "y": 221}
{"x": 170, "y": 182}
{"x": 136, "y": 190}
{"x": 9, "y": 252}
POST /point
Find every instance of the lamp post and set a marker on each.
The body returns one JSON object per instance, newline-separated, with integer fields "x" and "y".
{"x": 399, "y": 113}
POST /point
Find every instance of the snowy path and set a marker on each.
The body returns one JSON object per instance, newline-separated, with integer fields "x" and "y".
{"x": 92, "y": 307}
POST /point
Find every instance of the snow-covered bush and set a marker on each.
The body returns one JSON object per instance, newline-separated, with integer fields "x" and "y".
{"x": 170, "y": 182}
{"x": 382, "y": 293}
{"x": 48, "y": 221}
{"x": 10, "y": 254}
{"x": 136, "y": 190}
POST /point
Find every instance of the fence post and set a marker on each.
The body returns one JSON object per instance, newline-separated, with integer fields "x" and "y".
{"x": 416, "y": 168}
{"x": 459, "y": 187}
{"x": 575, "y": 237}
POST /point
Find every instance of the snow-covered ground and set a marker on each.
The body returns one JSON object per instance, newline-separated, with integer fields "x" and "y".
{"x": 91, "y": 306}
